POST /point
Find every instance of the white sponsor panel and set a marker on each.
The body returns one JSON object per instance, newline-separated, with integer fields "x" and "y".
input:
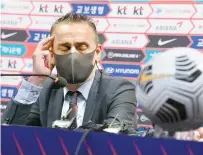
{"x": 170, "y": 26}
{"x": 172, "y": 10}
{"x": 14, "y": 21}
{"x": 101, "y": 24}
{"x": 127, "y": 25}
{"x": 51, "y": 8}
{"x": 130, "y": 10}
{"x": 198, "y": 29}
{"x": 125, "y": 40}
{"x": 11, "y": 80}
{"x": 28, "y": 66}
{"x": 42, "y": 22}
{"x": 16, "y": 7}
{"x": 11, "y": 64}
{"x": 199, "y": 13}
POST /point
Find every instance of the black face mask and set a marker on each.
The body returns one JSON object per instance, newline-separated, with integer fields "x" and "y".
{"x": 75, "y": 67}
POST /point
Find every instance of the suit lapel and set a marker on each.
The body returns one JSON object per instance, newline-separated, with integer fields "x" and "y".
{"x": 91, "y": 101}
{"x": 55, "y": 106}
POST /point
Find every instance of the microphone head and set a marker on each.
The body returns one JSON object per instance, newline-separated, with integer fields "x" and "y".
{"x": 60, "y": 83}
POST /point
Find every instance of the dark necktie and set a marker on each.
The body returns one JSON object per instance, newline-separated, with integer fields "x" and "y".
{"x": 73, "y": 107}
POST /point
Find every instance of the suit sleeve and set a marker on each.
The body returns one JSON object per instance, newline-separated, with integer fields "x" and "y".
{"x": 19, "y": 108}
{"x": 33, "y": 118}
{"x": 8, "y": 113}
{"x": 16, "y": 113}
{"x": 122, "y": 103}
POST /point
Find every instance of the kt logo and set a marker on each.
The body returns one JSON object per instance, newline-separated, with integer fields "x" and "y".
{"x": 135, "y": 11}
{"x": 12, "y": 64}
{"x": 57, "y": 9}
{"x": 43, "y": 8}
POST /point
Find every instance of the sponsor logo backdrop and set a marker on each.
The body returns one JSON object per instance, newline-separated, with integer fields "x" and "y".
{"x": 131, "y": 32}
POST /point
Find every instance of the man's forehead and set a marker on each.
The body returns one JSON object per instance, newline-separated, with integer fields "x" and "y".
{"x": 73, "y": 31}
{"x": 70, "y": 28}
{"x": 70, "y": 38}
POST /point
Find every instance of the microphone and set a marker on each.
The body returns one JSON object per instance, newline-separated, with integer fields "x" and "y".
{"x": 121, "y": 127}
{"x": 67, "y": 122}
{"x": 58, "y": 81}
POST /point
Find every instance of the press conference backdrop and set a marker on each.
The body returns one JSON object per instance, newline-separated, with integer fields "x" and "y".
{"x": 131, "y": 32}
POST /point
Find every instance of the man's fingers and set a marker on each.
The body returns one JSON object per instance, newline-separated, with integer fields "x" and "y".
{"x": 42, "y": 60}
{"x": 51, "y": 63}
{"x": 47, "y": 57}
{"x": 42, "y": 54}
{"x": 48, "y": 45}
{"x": 44, "y": 42}
{"x": 196, "y": 135}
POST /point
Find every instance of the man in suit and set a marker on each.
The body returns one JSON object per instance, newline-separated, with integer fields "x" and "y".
{"x": 74, "y": 50}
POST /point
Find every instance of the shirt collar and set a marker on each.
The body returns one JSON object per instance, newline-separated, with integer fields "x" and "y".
{"x": 84, "y": 89}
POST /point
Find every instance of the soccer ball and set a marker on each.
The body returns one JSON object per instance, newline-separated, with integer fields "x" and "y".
{"x": 170, "y": 89}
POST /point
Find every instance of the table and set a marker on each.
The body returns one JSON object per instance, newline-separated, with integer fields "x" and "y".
{"x": 22, "y": 140}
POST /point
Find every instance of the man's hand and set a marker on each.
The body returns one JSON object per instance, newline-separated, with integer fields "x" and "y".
{"x": 195, "y": 135}
{"x": 41, "y": 61}
{"x": 198, "y": 134}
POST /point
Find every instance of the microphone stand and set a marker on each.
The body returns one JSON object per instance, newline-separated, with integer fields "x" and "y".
{"x": 59, "y": 82}
{"x": 27, "y": 75}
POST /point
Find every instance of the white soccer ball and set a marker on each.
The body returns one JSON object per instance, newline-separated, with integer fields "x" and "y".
{"x": 170, "y": 89}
